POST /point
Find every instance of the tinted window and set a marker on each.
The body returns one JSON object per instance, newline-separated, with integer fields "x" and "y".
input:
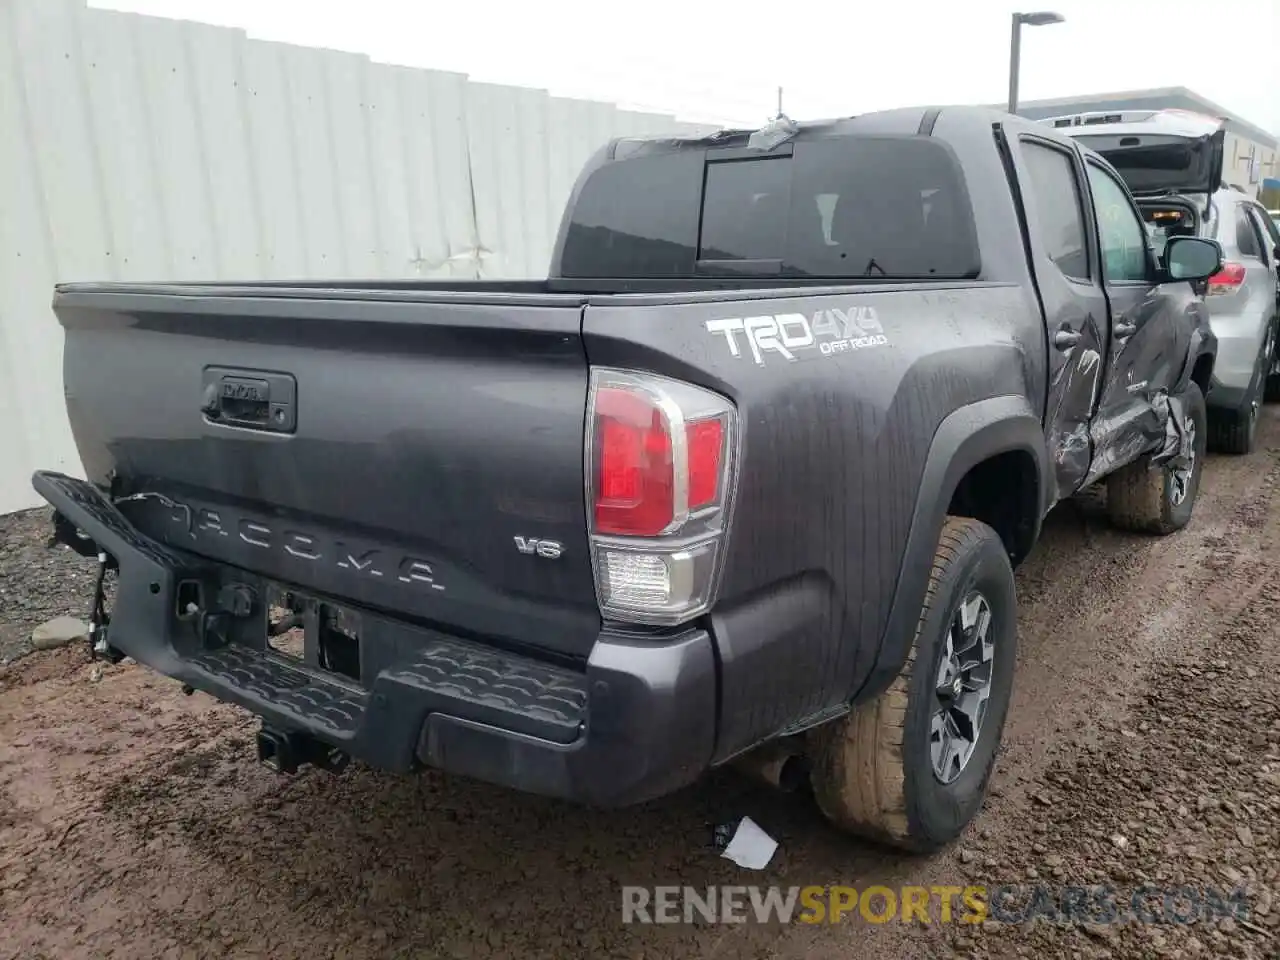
{"x": 1055, "y": 193}
{"x": 744, "y": 205}
{"x": 879, "y": 207}
{"x": 1121, "y": 235}
{"x": 838, "y": 208}
{"x": 1270, "y": 228}
{"x": 1261, "y": 223}
{"x": 1246, "y": 234}
{"x": 636, "y": 218}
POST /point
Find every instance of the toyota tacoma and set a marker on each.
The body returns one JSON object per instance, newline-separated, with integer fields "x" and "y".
{"x": 745, "y": 477}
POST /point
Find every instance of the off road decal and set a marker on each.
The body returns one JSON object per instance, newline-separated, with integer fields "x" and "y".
{"x": 794, "y": 336}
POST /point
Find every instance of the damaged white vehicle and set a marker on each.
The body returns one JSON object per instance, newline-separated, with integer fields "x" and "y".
{"x": 1172, "y": 161}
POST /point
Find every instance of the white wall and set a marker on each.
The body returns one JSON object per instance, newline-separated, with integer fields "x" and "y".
{"x": 140, "y": 148}
{"x": 1246, "y": 163}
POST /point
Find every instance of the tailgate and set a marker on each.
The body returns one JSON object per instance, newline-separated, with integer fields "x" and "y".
{"x": 1152, "y": 163}
{"x": 419, "y": 453}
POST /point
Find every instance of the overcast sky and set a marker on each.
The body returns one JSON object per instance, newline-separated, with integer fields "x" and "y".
{"x": 722, "y": 61}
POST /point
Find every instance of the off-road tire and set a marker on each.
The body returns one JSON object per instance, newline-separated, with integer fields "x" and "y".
{"x": 872, "y": 771}
{"x": 1140, "y": 498}
{"x": 1233, "y": 431}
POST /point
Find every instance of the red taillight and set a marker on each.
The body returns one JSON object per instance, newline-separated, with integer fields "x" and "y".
{"x": 661, "y": 465}
{"x": 635, "y": 487}
{"x": 706, "y": 448}
{"x": 1227, "y": 280}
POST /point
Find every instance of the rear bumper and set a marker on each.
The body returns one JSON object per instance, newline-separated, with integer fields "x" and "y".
{"x": 1239, "y": 343}
{"x": 638, "y": 722}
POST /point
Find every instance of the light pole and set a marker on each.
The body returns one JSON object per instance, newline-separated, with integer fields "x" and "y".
{"x": 1038, "y": 19}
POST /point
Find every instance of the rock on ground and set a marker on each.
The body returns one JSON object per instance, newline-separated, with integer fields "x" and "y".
{"x": 37, "y": 581}
{"x": 58, "y": 632}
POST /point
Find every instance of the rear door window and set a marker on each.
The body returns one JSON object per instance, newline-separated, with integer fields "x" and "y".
{"x": 1055, "y": 193}
{"x": 1121, "y": 233}
{"x": 1247, "y": 241}
{"x": 1270, "y": 231}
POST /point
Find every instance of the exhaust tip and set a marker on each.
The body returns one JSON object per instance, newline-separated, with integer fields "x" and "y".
{"x": 780, "y": 764}
{"x": 793, "y": 775}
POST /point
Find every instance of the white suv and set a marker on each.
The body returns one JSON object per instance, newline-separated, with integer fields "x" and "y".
{"x": 1172, "y": 162}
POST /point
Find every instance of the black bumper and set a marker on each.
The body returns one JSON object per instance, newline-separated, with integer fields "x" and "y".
{"x": 639, "y": 720}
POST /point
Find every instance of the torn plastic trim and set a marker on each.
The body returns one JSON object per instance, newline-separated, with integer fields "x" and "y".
{"x": 777, "y": 131}
{"x": 1176, "y": 450}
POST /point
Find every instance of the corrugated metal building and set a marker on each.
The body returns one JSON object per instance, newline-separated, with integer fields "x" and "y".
{"x": 135, "y": 147}
{"x": 1252, "y": 154}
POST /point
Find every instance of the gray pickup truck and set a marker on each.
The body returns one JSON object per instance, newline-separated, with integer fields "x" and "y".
{"x": 744, "y": 479}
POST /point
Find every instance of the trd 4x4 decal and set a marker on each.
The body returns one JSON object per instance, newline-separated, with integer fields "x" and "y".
{"x": 824, "y": 333}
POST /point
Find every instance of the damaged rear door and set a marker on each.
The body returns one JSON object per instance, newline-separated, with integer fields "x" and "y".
{"x": 1150, "y": 329}
{"x": 1051, "y": 177}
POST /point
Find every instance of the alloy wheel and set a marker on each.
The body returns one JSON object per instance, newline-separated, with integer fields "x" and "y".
{"x": 962, "y": 688}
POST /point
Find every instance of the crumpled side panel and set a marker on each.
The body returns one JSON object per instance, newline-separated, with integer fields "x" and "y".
{"x": 1176, "y": 449}
{"x": 1162, "y": 429}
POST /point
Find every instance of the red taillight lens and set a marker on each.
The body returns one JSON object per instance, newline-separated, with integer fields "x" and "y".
{"x": 706, "y": 450}
{"x": 635, "y": 479}
{"x": 1228, "y": 279}
{"x": 662, "y": 459}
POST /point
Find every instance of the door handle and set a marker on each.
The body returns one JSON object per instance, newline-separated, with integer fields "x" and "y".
{"x": 1066, "y": 339}
{"x": 1124, "y": 330}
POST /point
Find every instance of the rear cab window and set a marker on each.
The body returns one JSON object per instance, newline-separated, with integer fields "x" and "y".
{"x": 841, "y": 207}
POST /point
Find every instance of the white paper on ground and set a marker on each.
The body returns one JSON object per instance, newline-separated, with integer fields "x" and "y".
{"x": 750, "y": 847}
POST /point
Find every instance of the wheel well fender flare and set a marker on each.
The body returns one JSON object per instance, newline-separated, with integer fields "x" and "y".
{"x": 965, "y": 438}
{"x": 1203, "y": 344}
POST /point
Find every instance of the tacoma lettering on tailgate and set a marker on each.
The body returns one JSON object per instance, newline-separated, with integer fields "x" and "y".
{"x": 210, "y": 524}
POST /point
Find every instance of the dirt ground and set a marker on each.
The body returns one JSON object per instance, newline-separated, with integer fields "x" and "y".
{"x": 1142, "y": 748}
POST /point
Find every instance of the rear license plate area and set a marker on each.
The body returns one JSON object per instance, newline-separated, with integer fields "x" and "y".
{"x": 314, "y": 632}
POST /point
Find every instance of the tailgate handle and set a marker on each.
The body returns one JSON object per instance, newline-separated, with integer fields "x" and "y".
{"x": 252, "y": 399}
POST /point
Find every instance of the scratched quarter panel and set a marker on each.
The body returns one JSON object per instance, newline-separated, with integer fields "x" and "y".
{"x": 834, "y": 441}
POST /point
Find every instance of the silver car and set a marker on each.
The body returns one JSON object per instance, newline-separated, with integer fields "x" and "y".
{"x": 1172, "y": 162}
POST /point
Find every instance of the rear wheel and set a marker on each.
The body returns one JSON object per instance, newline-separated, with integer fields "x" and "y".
{"x": 911, "y": 768}
{"x": 1234, "y": 431}
{"x": 1160, "y": 499}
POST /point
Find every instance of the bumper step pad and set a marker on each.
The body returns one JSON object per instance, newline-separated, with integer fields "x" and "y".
{"x": 307, "y": 701}
{"x": 436, "y": 674}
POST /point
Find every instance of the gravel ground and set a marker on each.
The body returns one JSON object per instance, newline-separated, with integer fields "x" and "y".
{"x": 37, "y": 582}
{"x": 1141, "y": 749}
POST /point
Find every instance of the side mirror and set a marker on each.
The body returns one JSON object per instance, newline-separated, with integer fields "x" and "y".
{"x": 1192, "y": 258}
